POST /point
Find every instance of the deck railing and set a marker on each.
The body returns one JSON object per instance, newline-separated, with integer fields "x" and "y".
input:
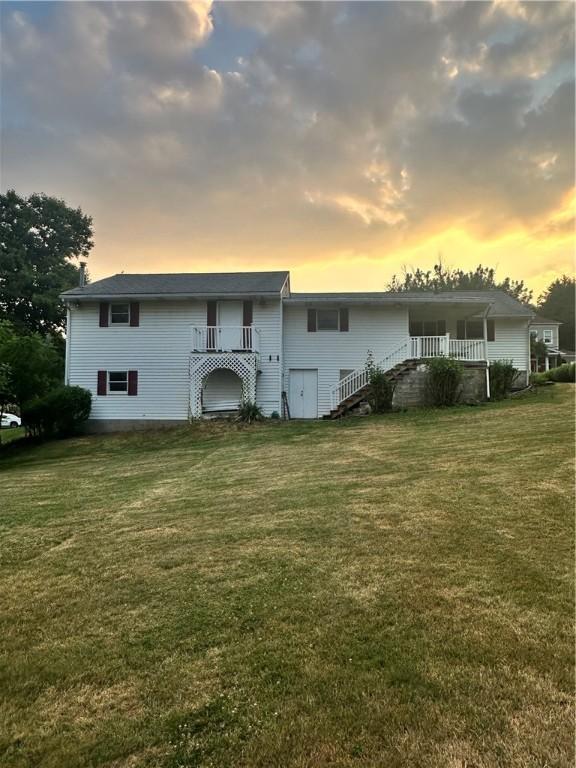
{"x": 225, "y": 338}
{"x": 415, "y": 348}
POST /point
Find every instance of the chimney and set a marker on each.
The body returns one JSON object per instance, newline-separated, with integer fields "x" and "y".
{"x": 82, "y": 275}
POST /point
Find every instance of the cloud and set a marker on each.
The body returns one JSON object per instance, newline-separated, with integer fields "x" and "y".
{"x": 341, "y": 128}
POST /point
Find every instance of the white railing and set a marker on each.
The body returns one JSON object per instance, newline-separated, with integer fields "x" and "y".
{"x": 352, "y": 383}
{"x": 416, "y": 348}
{"x": 225, "y": 338}
{"x": 468, "y": 349}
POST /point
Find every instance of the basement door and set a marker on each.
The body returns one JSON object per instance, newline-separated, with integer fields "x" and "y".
{"x": 303, "y": 393}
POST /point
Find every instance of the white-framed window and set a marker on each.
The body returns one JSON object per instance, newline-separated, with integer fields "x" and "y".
{"x": 120, "y": 314}
{"x": 534, "y": 333}
{"x": 117, "y": 382}
{"x": 547, "y": 336}
{"x": 328, "y": 320}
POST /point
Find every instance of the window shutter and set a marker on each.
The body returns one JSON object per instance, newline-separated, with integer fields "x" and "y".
{"x": 211, "y": 311}
{"x": 343, "y": 319}
{"x": 134, "y": 314}
{"x": 102, "y": 383}
{"x": 104, "y": 308}
{"x": 461, "y": 329}
{"x": 133, "y": 383}
{"x": 247, "y": 313}
{"x": 311, "y": 320}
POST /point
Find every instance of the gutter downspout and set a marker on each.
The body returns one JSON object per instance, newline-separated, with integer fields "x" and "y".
{"x": 485, "y": 325}
{"x": 67, "y": 357}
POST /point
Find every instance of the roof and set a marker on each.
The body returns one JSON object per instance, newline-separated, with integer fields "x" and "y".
{"x": 539, "y": 320}
{"x": 501, "y": 303}
{"x": 183, "y": 285}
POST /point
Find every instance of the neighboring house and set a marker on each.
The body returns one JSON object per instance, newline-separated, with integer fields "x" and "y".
{"x": 166, "y": 348}
{"x": 546, "y": 331}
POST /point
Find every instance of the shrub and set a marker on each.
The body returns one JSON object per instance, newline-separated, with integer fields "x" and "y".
{"x": 443, "y": 381}
{"x": 275, "y": 415}
{"x": 249, "y": 412}
{"x": 564, "y": 373}
{"x": 59, "y": 413}
{"x": 502, "y": 375}
{"x": 381, "y": 391}
{"x": 538, "y": 379}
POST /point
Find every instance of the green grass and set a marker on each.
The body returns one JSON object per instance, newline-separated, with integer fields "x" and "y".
{"x": 11, "y": 434}
{"x": 374, "y": 593}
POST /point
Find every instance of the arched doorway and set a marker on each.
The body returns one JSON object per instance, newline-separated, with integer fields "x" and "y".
{"x": 221, "y": 391}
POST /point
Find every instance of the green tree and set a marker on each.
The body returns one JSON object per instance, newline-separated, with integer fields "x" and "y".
{"x": 40, "y": 237}
{"x": 557, "y": 303}
{"x": 32, "y": 362}
{"x": 442, "y": 278}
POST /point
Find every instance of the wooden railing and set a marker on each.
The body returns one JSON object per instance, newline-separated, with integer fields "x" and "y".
{"x": 225, "y": 338}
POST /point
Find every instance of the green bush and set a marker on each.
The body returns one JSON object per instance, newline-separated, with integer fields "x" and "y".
{"x": 443, "y": 381}
{"x": 564, "y": 373}
{"x": 502, "y": 375}
{"x": 249, "y": 412}
{"x": 538, "y": 379}
{"x": 60, "y": 413}
{"x": 381, "y": 391}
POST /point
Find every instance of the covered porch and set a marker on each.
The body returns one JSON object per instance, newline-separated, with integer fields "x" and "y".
{"x": 459, "y": 330}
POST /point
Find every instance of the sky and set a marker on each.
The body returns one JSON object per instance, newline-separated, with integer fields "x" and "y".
{"x": 342, "y": 141}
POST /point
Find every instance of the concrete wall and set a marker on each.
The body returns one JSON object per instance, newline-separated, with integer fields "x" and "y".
{"x": 411, "y": 390}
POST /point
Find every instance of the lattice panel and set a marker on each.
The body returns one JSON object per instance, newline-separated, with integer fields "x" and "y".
{"x": 202, "y": 365}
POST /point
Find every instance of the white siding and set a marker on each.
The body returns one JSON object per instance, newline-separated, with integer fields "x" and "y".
{"x": 539, "y": 329}
{"x": 512, "y": 342}
{"x": 379, "y": 329}
{"x": 159, "y": 349}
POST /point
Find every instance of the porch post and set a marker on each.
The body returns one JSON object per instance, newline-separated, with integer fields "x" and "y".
{"x": 447, "y": 345}
{"x": 485, "y": 320}
{"x": 546, "y": 363}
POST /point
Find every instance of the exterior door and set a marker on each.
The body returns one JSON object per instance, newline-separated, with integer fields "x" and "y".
{"x": 230, "y": 322}
{"x": 303, "y": 393}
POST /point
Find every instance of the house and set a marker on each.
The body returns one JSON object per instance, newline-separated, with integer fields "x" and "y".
{"x": 546, "y": 331}
{"x": 164, "y": 348}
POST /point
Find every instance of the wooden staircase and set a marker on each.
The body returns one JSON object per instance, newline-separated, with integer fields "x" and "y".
{"x": 394, "y": 375}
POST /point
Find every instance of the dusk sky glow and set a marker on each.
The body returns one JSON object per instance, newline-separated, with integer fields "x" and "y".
{"x": 338, "y": 140}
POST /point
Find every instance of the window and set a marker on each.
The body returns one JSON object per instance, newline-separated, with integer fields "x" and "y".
{"x": 547, "y": 336}
{"x": 118, "y": 382}
{"x": 327, "y": 320}
{"x": 119, "y": 314}
{"x": 427, "y": 327}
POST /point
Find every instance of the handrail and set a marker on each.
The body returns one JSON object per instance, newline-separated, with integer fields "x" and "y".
{"x": 228, "y": 338}
{"x": 352, "y": 383}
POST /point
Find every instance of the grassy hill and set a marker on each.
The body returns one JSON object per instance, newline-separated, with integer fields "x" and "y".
{"x": 388, "y": 591}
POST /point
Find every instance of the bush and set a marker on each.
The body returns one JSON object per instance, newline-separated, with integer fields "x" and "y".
{"x": 502, "y": 375}
{"x": 444, "y": 379}
{"x": 564, "y": 373}
{"x": 381, "y": 391}
{"x": 249, "y": 412}
{"x": 60, "y": 413}
{"x": 538, "y": 379}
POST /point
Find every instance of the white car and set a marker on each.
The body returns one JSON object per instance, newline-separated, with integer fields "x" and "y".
{"x": 11, "y": 420}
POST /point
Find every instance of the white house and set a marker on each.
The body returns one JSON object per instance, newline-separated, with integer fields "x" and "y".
{"x": 166, "y": 348}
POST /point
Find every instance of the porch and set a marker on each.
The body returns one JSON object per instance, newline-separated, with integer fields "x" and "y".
{"x": 225, "y": 338}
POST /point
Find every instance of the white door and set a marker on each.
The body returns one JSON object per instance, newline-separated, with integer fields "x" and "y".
{"x": 303, "y": 393}
{"x": 230, "y": 322}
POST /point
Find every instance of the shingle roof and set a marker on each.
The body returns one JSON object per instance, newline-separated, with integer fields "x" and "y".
{"x": 184, "y": 284}
{"x": 539, "y": 320}
{"x": 502, "y": 305}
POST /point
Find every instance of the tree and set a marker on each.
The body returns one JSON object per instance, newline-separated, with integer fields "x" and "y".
{"x": 40, "y": 237}
{"x": 442, "y": 278}
{"x": 32, "y": 362}
{"x": 557, "y": 303}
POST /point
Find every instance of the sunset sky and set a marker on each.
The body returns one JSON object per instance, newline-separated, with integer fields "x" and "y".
{"x": 339, "y": 140}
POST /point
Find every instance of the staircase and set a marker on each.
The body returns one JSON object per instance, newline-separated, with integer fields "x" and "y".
{"x": 393, "y": 374}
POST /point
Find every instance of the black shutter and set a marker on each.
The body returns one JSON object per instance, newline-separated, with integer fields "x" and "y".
{"x": 247, "y": 312}
{"x": 104, "y": 308}
{"x": 344, "y": 319}
{"x": 102, "y": 383}
{"x": 211, "y": 312}
{"x": 311, "y": 320}
{"x": 134, "y": 314}
{"x": 132, "y": 383}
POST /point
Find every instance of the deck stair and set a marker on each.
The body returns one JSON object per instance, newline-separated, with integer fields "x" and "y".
{"x": 394, "y": 374}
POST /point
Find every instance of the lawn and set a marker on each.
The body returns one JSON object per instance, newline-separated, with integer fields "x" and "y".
{"x": 373, "y": 593}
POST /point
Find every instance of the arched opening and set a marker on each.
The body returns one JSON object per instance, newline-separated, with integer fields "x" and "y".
{"x": 221, "y": 391}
